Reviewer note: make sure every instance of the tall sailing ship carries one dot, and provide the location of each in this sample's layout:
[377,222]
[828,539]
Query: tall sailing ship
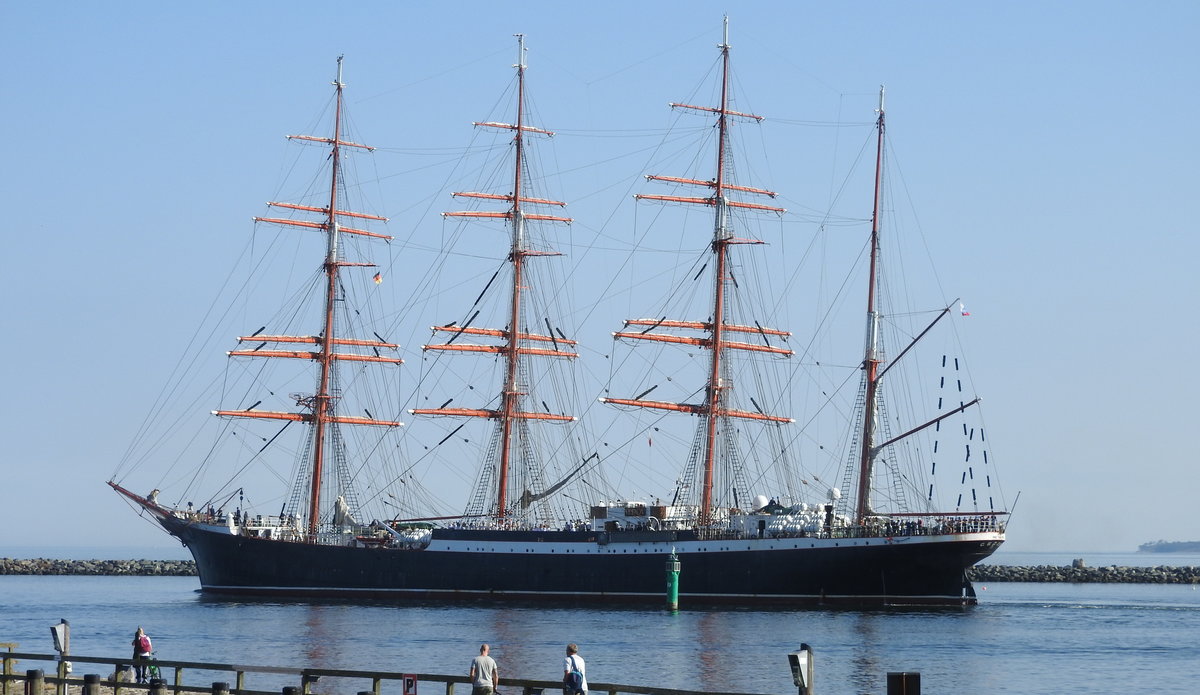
[532,528]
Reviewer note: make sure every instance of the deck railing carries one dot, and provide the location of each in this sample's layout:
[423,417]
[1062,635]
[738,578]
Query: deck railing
[304,681]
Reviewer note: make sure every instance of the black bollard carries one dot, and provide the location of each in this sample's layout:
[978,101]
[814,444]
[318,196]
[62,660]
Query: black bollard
[158,686]
[35,681]
[291,690]
[904,683]
[220,688]
[91,684]
[366,692]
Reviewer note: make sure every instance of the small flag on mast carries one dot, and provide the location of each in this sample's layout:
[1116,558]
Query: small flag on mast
[961,309]
[378,278]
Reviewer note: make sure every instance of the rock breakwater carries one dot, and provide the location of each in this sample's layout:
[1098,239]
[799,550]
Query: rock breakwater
[105,568]
[1112,574]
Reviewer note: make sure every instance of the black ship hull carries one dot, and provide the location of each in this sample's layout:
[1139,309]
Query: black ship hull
[590,565]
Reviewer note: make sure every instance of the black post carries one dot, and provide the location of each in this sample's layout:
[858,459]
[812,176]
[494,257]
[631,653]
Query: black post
[366,692]
[220,688]
[35,681]
[291,690]
[158,686]
[801,662]
[904,683]
[91,684]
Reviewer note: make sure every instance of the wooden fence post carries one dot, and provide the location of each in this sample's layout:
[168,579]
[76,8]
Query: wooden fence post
[120,673]
[9,663]
[35,681]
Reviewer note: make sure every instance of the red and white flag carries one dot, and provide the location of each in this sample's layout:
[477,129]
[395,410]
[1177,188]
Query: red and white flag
[963,310]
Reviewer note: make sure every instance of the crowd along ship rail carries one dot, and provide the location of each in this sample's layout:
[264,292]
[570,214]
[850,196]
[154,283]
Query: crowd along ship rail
[512,541]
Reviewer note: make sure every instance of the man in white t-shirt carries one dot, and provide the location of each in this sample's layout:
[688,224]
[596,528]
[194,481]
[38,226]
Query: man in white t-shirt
[485,676]
[574,662]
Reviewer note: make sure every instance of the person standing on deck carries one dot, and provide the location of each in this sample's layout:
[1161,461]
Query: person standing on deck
[485,675]
[141,650]
[574,662]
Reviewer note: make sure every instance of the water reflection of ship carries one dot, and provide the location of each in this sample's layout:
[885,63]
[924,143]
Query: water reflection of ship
[865,655]
[713,642]
[318,643]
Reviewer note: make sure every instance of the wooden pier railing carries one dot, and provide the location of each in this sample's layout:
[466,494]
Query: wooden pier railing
[304,680]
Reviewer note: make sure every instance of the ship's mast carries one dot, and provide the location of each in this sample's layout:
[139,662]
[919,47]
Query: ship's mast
[322,404]
[871,360]
[714,408]
[322,412]
[515,345]
[872,365]
[511,394]
[720,248]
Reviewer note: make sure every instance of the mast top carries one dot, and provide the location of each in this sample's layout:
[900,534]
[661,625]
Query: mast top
[520,51]
[338,82]
[881,93]
[724,45]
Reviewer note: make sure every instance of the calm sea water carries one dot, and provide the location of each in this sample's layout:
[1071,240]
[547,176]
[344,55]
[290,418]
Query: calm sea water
[1022,638]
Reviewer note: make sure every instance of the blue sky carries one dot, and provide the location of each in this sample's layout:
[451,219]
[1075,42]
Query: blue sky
[1047,147]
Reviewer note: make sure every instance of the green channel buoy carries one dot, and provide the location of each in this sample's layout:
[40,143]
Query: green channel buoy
[673,581]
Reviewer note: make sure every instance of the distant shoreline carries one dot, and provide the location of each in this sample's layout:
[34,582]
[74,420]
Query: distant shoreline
[1111,574]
